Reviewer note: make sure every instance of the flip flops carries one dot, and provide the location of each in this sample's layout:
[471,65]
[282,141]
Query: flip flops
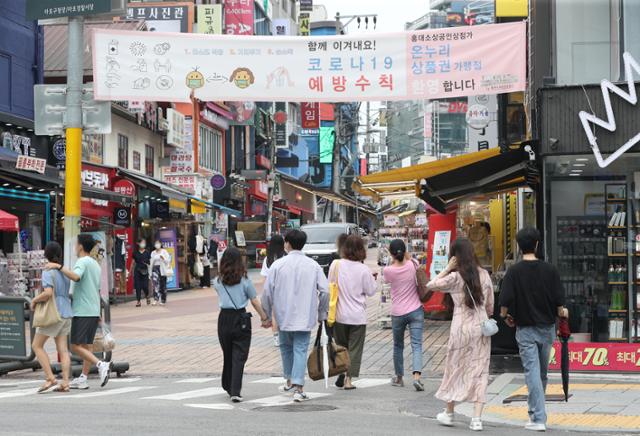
[48,386]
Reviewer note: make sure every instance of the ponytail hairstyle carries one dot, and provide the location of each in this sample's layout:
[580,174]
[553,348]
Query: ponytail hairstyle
[398,249]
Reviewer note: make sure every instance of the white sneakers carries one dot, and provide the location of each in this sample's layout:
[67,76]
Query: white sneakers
[534,426]
[104,368]
[79,383]
[445,418]
[475,424]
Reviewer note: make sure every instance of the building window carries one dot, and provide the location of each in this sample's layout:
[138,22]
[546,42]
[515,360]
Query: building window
[210,149]
[149,157]
[136,160]
[123,151]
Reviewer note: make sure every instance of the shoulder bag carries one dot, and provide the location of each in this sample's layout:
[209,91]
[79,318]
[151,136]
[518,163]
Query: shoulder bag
[334,290]
[489,326]
[46,313]
[338,356]
[245,317]
[421,284]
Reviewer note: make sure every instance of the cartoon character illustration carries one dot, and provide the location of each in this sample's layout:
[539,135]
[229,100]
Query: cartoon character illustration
[281,78]
[242,77]
[195,79]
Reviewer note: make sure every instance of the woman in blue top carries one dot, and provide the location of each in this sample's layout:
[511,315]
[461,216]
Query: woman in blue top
[54,285]
[235,291]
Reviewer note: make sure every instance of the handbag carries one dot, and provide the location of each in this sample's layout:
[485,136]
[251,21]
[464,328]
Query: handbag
[334,290]
[245,317]
[489,326]
[198,267]
[339,360]
[46,313]
[421,284]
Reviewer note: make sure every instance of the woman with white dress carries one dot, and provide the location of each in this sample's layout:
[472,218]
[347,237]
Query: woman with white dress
[160,265]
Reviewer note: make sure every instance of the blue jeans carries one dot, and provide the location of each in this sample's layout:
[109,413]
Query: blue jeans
[415,321]
[293,349]
[535,345]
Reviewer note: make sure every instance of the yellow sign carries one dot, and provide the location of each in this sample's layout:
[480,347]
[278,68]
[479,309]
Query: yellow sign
[512,8]
[198,207]
[210,19]
[177,205]
[305,24]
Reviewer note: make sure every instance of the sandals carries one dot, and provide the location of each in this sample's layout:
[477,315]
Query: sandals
[48,386]
[61,388]
[138,304]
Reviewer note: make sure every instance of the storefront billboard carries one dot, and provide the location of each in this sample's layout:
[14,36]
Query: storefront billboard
[415,65]
[168,240]
[598,356]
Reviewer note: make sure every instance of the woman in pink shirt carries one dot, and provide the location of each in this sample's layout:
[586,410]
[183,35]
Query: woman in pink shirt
[406,311]
[355,284]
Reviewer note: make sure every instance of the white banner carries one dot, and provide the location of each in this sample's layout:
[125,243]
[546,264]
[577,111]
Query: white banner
[425,64]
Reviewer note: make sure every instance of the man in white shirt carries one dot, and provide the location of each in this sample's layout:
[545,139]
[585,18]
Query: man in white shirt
[298,292]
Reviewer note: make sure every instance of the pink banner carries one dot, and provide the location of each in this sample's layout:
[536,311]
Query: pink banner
[598,356]
[238,17]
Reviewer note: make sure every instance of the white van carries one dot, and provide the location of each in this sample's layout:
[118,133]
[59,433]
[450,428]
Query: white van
[321,241]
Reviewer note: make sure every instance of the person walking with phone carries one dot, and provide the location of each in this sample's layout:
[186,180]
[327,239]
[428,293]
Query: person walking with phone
[297,291]
[275,251]
[355,284]
[466,370]
[235,291]
[56,286]
[406,311]
[160,264]
[531,298]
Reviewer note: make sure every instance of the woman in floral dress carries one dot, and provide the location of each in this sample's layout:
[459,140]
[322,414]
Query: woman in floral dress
[466,373]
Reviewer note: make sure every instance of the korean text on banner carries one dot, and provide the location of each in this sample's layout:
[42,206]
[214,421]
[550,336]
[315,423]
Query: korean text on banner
[416,65]
[238,17]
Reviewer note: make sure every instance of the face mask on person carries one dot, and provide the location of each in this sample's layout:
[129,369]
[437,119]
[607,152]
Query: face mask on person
[158,246]
[142,244]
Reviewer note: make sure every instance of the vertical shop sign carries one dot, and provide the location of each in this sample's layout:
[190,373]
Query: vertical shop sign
[210,19]
[310,115]
[281,125]
[167,238]
[305,24]
[238,17]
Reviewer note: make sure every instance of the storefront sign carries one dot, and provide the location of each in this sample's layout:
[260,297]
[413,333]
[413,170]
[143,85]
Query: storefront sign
[280,27]
[306,5]
[162,17]
[210,19]
[482,124]
[28,163]
[414,65]
[19,144]
[181,161]
[238,18]
[218,182]
[122,216]
[391,220]
[12,328]
[125,187]
[259,189]
[598,356]
[43,9]
[95,179]
[310,115]
[305,24]
[167,238]
[187,183]
[478,116]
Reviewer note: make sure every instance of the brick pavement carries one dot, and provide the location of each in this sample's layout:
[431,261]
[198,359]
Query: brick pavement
[181,338]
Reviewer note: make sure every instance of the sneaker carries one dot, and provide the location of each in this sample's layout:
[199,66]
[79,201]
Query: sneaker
[475,424]
[155,303]
[445,418]
[418,385]
[276,340]
[397,382]
[162,304]
[104,368]
[286,389]
[300,396]
[79,383]
[236,399]
[535,426]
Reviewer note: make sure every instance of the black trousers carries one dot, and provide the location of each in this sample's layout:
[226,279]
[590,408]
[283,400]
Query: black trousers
[205,280]
[235,345]
[141,284]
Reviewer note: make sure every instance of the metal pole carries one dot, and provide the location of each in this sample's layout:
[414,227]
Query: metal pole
[272,186]
[73,164]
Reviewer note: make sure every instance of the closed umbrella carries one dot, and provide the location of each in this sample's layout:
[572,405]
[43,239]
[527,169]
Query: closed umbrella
[324,343]
[563,334]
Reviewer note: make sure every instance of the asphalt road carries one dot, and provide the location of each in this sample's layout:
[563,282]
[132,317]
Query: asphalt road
[198,406]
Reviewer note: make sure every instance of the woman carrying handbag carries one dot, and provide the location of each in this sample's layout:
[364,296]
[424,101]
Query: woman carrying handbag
[52,316]
[466,372]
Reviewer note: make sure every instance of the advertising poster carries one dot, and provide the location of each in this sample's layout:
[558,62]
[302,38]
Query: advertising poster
[598,356]
[440,252]
[413,65]
[210,19]
[162,16]
[168,240]
[442,228]
[12,328]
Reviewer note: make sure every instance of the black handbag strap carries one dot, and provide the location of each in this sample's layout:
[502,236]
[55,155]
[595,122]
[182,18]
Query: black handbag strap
[229,295]
[330,350]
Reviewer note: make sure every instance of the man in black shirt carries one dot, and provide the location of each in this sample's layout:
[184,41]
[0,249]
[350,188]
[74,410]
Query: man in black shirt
[141,259]
[530,299]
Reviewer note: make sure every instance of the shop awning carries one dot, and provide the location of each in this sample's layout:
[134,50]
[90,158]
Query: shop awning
[157,185]
[407,213]
[440,183]
[211,205]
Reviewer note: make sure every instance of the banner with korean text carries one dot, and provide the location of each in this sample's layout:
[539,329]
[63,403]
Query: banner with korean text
[598,356]
[426,64]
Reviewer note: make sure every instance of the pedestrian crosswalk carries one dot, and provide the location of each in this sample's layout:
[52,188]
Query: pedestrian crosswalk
[175,391]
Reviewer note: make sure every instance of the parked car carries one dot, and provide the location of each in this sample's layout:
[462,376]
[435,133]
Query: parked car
[321,241]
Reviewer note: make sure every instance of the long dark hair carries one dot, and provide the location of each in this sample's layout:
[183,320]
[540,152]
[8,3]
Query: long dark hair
[467,267]
[397,249]
[275,250]
[232,268]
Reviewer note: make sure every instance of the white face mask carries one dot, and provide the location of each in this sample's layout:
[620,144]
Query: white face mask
[158,246]
[142,245]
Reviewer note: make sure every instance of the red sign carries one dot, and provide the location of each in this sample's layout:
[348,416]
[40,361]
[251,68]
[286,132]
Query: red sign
[280,117]
[238,17]
[598,356]
[259,189]
[125,187]
[310,115]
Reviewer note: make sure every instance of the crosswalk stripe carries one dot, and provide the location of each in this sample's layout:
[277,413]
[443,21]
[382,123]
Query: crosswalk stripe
[125,380]
[198,380]
[105,393]
[18,393]
[271,381]
[214,406]
[281,400]
[198,393]
[370,382]
[17,383]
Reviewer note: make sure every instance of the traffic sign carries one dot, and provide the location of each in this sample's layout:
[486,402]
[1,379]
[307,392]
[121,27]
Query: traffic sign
[42,9]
